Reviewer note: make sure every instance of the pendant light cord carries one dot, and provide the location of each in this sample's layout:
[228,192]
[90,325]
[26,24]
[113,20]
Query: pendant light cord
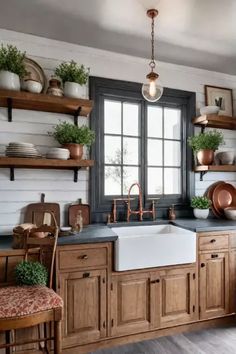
[152,63]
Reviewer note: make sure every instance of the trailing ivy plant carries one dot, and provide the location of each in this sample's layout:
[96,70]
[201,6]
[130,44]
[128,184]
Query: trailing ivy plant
[11,59]
[31,273]
[67,133]
[200,202]
[73,72]
[206,141]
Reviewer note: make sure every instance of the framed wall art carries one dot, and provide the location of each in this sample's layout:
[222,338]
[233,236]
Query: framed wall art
[221,97]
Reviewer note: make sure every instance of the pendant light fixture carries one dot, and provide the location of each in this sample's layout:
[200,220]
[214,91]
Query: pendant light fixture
[152,90]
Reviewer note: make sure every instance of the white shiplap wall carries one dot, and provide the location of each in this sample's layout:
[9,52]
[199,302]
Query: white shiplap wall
[33,126]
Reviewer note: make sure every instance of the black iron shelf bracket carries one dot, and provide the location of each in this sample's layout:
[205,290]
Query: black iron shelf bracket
[202,174]
[12,174]
[76,115]
[76,170]
[9,109]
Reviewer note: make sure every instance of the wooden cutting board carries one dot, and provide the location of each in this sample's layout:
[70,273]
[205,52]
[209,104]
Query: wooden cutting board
[36,213]
[73,212]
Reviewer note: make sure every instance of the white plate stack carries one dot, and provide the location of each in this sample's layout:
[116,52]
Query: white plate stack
[22,150]
[58,154]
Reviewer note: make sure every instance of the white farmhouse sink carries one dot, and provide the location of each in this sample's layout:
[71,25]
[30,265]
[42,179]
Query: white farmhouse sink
[139,247]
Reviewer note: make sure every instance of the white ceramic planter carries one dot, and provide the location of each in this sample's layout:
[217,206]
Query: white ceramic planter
[201,213]
[74,90]
[9,81]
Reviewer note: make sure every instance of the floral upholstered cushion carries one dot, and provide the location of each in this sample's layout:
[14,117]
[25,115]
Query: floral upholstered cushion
[18,301]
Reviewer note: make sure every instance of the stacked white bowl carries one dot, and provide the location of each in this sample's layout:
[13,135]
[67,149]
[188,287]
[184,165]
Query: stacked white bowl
[58,153]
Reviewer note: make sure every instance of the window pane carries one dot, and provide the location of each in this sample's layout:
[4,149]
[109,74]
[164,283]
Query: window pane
[172,123]
[130,119]
[154,152]
[112,117]
[112,180]
[172,153]
[130,176]
[131,151]
[155,180]
[154,121]
[172,181]
[112,150]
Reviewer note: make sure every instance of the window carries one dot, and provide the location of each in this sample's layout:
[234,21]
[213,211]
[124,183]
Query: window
[138,141]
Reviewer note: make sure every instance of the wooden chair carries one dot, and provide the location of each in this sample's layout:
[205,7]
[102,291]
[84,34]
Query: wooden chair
[26,306]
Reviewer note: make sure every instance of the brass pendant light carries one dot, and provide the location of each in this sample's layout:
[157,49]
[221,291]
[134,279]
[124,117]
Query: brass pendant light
[152,90]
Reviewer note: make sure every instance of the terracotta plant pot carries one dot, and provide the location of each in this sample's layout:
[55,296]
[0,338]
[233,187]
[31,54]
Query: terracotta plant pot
[205,157]
[76,150]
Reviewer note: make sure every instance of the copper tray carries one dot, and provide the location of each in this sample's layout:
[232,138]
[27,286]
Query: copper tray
[209,194]
[223,196]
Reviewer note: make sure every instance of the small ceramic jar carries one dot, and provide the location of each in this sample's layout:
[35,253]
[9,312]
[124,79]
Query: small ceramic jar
[33,86]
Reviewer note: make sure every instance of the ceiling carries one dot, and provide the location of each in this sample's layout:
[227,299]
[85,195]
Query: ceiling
[199,33]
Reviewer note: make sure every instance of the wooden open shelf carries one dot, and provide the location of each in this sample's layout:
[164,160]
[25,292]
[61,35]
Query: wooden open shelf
[44,103]
[203,169]
[19,162]
[215,121]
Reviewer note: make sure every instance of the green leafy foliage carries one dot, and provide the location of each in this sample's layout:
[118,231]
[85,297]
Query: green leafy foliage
[206,141]
[31,273]
[200,202]
[11,59]
[67,133]
[73,72]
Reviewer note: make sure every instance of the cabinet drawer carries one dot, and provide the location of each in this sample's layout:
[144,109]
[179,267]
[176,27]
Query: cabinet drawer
[82,258]
[213,242]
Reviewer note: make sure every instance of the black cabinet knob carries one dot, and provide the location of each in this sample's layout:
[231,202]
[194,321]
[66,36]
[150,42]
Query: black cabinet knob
[202,265]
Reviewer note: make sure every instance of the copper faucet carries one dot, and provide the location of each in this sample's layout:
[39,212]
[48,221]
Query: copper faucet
[140,211]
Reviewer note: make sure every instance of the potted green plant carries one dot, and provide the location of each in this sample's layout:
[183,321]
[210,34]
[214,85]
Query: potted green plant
[73,138]
[12,67]
[205,144]
[200,207]
[74,77]
[31,273]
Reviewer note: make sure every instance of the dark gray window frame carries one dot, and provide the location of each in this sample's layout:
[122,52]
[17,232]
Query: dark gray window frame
[101,88]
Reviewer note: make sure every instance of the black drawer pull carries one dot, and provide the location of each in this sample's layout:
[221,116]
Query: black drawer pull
[84,256]
[86,275]
[214,256]
[213,240]
[202,265]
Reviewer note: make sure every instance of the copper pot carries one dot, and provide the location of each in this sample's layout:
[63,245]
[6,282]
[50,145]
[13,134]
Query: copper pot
[76,151]
[205,157]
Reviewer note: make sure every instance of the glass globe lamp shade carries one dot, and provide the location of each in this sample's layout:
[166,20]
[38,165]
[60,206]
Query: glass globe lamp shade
[152,90]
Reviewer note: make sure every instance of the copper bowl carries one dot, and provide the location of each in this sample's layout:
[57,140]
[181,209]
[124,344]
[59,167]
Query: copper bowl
[76,150]
[205,157]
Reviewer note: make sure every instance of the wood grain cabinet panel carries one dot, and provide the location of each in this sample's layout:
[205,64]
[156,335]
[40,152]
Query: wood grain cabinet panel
[232,273]
[213,242]
[178,297]
[131,303]
[214,284]
[84,295]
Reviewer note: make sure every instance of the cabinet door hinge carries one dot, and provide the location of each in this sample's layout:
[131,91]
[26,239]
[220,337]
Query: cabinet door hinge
[111,286]
[112,322]
[199,308]
[194,276]
[104,324]
[103,280]
[193,308]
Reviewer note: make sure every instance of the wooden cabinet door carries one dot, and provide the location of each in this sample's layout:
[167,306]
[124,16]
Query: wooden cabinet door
[178,289]
[84,295]
[214,284]
[232,281]
[131,303]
